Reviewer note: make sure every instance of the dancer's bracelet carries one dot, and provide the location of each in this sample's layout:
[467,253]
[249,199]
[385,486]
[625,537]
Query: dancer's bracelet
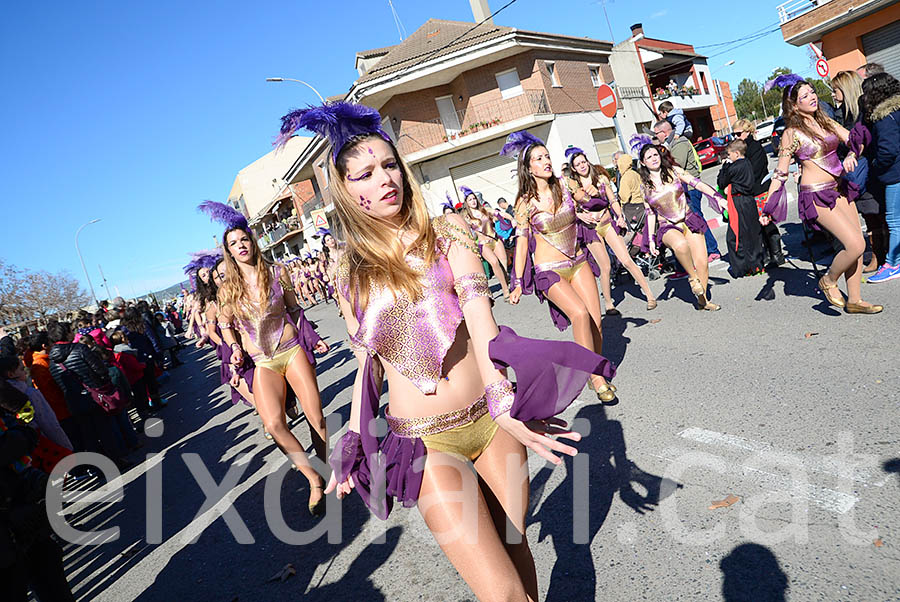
[499,396]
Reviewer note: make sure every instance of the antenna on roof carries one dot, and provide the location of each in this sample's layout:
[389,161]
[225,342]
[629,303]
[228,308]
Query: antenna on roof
[603,4]
[400,29]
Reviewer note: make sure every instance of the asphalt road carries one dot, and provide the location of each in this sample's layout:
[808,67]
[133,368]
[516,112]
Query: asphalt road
[777,399]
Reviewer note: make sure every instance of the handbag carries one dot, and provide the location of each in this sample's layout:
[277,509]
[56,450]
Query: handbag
[106,396]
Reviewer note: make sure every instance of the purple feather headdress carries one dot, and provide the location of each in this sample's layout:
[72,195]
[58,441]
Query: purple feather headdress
[322,233]
[466,191]
[203,259]
[637,142]
[227,215]
[337,121]
[448,204]
[783,81]
[572,151]
[518,142]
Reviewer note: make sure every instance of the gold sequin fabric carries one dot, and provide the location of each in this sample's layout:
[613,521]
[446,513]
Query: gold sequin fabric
[668,201]
[558,229]
[413,335]
[412,428]
[265,330]
[471,286]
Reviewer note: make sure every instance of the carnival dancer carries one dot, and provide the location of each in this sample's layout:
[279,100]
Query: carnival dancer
[824,197]
[599,215]
[489,244]
[670,220]
[417,305]
[257,301]
[549,259]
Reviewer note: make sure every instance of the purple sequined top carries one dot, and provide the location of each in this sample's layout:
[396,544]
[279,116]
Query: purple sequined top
[589,203]
[265,330]
[413,336]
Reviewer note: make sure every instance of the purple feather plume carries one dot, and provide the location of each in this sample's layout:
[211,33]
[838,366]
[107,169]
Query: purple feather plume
[518,142]
[337,121]
[466,191]
[227,215]
[572,151]
[203,259]
[637,142]
[783,81]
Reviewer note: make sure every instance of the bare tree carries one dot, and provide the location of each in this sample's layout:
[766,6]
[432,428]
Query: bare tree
[27,295]
[11,280]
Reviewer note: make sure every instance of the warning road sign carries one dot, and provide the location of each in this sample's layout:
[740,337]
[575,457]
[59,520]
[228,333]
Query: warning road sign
[319,219]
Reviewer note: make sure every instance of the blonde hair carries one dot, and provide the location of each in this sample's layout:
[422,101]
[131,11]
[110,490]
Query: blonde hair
[234,289]
[744,125]
[850,85]
[375,255]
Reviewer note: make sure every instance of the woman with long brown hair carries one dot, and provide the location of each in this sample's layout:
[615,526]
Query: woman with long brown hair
[824,199]
[549,258]
[670,220]
[599,215]
[489,244]
[417,307]
[257,300]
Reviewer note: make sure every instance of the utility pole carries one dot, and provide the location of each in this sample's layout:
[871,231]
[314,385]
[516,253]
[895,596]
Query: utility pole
[765,113]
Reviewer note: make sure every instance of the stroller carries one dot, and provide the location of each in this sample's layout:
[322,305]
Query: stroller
[651,266]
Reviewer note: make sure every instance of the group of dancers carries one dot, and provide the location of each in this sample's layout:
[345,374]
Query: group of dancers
[418,310]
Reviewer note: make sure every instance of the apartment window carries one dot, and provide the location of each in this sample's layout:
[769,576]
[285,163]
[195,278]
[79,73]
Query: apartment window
[388,128]
[703,81]
[323,167]
[551,69]
[606,143]
[509,84]
[595,75]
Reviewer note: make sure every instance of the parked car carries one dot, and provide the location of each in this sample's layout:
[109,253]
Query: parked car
[710,150]
[777,130]
[764,130]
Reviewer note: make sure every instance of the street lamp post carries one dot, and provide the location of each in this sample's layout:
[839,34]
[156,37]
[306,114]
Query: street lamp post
[299,81]
[765,112]
[78,250]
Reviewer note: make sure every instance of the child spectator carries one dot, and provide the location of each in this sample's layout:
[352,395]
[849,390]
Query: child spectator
[744,236]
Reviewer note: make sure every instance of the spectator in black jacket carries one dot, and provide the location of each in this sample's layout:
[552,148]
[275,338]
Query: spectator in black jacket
[759,162]
[74,367]
[882,94]
[745,254]
[29,557]
[847,91]
[132,326]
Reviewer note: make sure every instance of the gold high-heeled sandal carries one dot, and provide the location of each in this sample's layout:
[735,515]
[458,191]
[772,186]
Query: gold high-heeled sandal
[651,304]
[317,509]
[696,287]
[837,301]
[605,392]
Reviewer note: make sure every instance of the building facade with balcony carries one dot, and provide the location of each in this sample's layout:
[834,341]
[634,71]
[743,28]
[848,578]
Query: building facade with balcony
[451,93]
[849,33]
[650,71]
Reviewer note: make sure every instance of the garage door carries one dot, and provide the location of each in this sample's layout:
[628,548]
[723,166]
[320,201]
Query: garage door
[494,177]
[883,46]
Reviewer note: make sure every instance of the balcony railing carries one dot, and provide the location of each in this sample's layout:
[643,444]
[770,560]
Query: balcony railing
[795,8]
[280,231]
[632,92]
[417,136]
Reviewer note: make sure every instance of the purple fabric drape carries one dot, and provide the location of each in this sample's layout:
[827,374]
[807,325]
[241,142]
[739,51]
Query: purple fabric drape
[776,205]
[860,137]
[382,470]
[549,376]
[540,283]
[307,335]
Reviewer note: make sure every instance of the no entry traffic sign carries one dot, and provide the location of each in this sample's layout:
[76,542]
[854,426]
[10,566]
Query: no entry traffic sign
[822,67]
[606,98]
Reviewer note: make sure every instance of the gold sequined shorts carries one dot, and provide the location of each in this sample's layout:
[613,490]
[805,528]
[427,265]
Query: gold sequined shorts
[567,268]
[280,361]
[465,432]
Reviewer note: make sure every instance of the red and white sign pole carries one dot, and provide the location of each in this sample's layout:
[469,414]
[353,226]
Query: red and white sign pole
[606,99]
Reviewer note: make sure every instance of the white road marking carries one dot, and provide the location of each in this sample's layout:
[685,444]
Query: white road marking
[828,465]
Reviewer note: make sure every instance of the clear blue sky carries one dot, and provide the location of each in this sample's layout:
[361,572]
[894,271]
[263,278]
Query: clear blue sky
[135,112]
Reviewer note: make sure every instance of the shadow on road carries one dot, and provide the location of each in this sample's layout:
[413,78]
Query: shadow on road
[893,465]
[751,573]
[574,576]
